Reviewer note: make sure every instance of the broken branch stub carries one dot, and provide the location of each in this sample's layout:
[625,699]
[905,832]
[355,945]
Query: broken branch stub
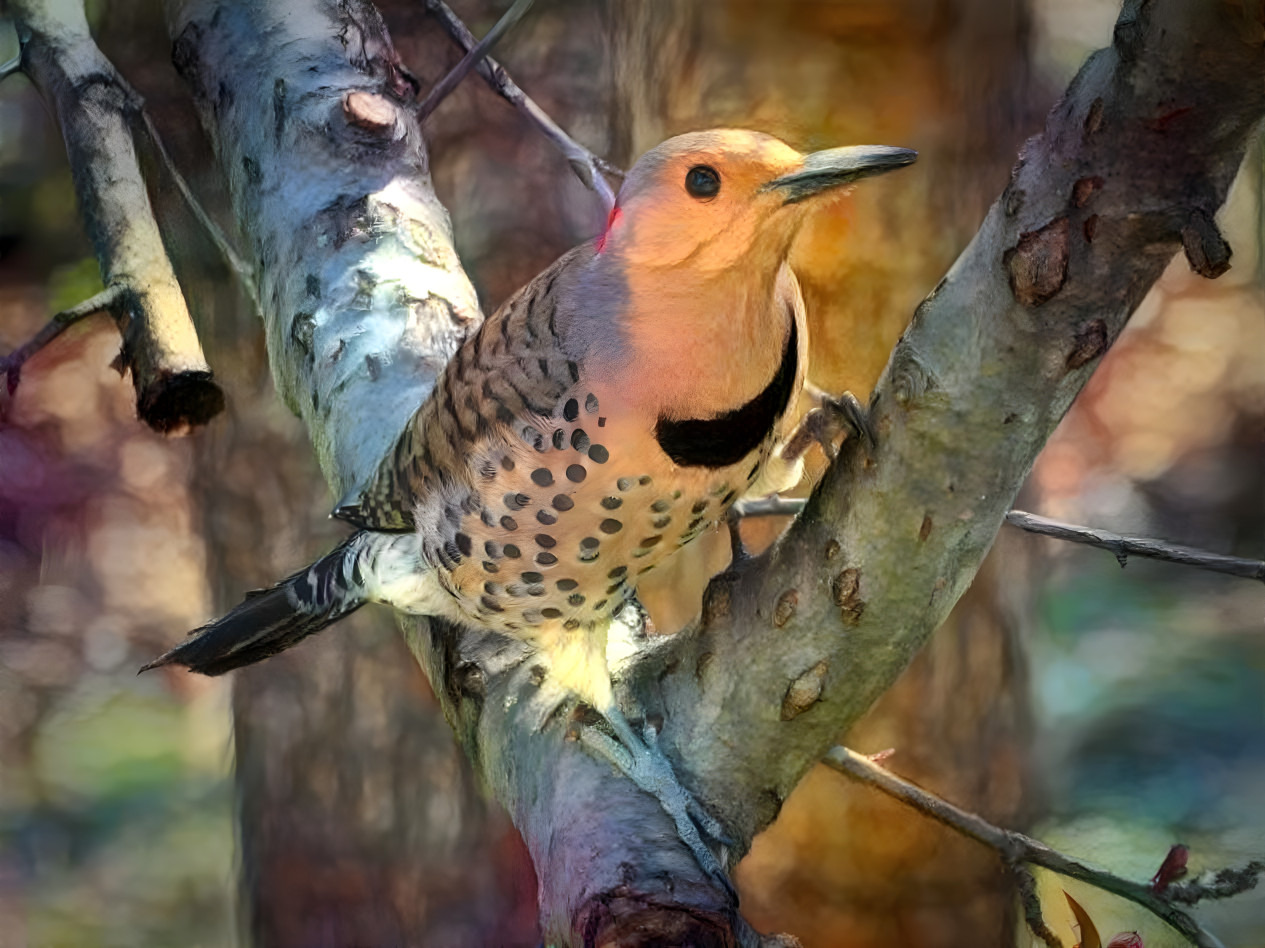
[93,105]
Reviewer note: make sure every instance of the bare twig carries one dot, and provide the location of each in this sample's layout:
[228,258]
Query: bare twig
[174,388]
[1015,848]
[9,68]
[107,301]
[235,263]
[1027,885]
[1123,547]
[472,58]
[588,167]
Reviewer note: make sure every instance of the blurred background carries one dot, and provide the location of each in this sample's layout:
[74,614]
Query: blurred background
[318,799]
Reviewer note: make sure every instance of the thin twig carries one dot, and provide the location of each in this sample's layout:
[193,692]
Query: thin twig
[471,59]
[105,301]
[1015,848]
[235,263]
[1027,885]
[588,167]
[1123,547]
[9,68]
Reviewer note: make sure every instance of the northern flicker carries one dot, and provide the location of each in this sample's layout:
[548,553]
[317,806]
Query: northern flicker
[605,416]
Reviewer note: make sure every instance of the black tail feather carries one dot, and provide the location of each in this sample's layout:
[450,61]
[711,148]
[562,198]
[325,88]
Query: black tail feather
[272,620]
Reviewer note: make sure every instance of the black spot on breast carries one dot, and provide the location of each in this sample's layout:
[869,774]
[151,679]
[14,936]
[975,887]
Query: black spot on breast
[488,518]
[489,603]
[598,454]
[571,625]
[601,422]
[643,480]
[545,540]
[512,551]
[509,523]
[493,589]
[590,403]
[507,463]
[542,476]
[590,543]
[660,522]
[610,525]
[551,613]
[490,567]
[600,605]
[612,503]
[563,502]
[491,549]
[576,473]
[571,410]
[566,585]
[545,517]
[487,471]
[530,577]
[699,506]
[728,498]
[587,556]
[535,590]
[464,544]
[546,559]
[579,440]
[728,438]
[516,501]
[617,572]
[660,506]
[650,541]
[613,587]
[559,438]
[451,554]
[624,483]
[575,599]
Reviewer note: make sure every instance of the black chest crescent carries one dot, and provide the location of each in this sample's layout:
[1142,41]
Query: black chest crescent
[728,438]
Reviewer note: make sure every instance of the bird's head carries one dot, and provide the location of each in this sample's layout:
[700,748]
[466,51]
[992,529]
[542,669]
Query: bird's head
[715,200]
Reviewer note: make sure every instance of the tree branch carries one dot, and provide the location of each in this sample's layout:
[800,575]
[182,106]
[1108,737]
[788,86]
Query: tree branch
[174,388]
[472,58]
[1016,848]
[1123,547]
[587,166]
[364,299]
[990,363]
[107,301]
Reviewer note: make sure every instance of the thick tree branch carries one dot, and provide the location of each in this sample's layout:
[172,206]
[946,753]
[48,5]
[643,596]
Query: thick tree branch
[311,116]
[174,388]
[1149,134]
[1016,848]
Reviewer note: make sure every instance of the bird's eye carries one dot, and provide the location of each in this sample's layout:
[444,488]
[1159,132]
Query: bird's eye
[702,181]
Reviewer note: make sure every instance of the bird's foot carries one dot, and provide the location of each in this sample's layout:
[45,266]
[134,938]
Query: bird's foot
[834,416]
[639,758]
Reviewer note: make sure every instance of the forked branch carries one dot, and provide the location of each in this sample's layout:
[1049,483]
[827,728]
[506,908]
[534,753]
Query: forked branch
[1016,849]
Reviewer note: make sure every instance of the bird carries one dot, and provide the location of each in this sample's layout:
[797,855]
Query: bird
[604,417]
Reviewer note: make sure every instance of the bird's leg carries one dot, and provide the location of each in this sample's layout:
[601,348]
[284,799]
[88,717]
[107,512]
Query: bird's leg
[638,757]
[833,416]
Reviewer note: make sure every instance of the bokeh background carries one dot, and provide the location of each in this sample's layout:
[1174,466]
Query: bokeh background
[1111,712]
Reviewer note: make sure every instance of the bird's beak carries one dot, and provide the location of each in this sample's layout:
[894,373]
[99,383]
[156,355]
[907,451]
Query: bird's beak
[823,170]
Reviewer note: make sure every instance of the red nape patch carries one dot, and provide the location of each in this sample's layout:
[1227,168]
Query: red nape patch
[615,215]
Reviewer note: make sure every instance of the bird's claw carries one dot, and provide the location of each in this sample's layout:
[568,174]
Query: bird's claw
[639,758]
[834,416]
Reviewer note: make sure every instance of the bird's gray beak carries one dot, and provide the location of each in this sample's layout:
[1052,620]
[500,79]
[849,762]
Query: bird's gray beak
[834,167]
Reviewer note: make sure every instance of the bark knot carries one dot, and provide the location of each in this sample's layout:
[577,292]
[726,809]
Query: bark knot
[1038,262]
[804,691]
[787,603]
[1206,250]
[846,593]
[1090,342]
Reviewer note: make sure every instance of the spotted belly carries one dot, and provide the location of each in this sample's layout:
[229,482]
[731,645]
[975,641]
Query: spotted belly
[567,512]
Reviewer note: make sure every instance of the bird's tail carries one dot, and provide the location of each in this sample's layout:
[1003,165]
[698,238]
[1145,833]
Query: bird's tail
[271,620]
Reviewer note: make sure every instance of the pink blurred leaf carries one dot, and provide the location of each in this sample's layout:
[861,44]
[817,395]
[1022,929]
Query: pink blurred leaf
[1126,940]
[1171,869]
